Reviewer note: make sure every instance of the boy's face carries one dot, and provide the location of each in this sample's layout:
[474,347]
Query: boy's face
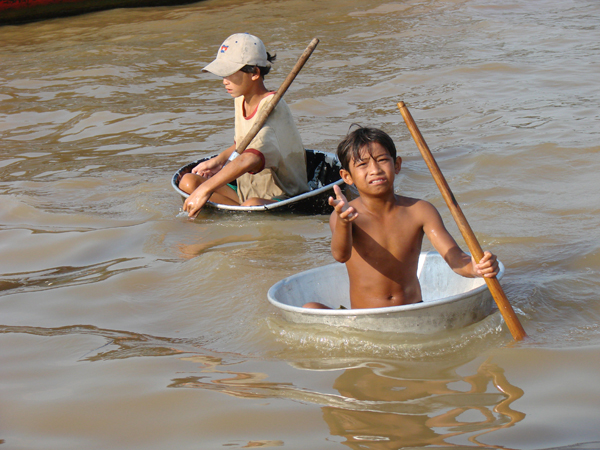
[239,83]
[374,171]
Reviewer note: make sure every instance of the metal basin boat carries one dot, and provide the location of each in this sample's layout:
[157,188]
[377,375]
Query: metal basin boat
[450,301]
[323,171]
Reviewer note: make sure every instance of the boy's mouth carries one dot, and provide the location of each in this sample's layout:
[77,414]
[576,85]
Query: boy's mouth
[378,181]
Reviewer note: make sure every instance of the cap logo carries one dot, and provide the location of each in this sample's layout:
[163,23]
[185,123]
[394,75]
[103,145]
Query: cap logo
[224,48]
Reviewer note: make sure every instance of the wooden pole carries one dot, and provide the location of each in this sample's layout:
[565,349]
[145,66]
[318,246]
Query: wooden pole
[264,114]
[504,306]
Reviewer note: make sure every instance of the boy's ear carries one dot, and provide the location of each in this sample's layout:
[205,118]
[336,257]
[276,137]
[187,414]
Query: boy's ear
[346,176]
[398,165]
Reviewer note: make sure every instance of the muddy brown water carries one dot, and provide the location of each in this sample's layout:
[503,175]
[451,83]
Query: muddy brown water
[126,327]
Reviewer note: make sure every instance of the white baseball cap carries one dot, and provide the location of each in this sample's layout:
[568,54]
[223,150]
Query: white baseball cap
[238,50]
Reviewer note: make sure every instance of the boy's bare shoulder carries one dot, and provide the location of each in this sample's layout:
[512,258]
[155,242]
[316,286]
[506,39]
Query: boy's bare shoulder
[402,200]
[417,207]
[409,202]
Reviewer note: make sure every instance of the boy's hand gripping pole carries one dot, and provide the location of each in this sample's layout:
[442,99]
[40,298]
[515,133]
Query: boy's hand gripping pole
[504,306]
[264,114]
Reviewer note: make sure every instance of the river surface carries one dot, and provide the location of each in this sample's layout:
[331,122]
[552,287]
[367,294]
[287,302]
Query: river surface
[124,326]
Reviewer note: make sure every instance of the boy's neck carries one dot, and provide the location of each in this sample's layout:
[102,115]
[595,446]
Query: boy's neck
[377,205]
[253,97]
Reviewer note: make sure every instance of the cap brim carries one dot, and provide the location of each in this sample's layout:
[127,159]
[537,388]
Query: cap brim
[223,68]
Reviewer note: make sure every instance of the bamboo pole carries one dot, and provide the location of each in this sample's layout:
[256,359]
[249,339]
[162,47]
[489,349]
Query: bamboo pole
[504,306]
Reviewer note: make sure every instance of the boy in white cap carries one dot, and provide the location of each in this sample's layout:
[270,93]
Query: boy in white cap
[273,166]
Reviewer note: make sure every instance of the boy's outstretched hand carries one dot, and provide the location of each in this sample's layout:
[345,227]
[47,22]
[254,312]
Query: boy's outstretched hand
[345,212]
[487,267]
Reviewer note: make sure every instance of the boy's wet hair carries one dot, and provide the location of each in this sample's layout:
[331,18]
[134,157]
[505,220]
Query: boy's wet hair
[263,70]
[362,137]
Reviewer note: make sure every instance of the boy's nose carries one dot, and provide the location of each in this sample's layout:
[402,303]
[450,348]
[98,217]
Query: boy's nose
[375,168]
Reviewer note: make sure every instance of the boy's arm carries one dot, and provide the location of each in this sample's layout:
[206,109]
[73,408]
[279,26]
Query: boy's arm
[340,222]
[246,162]
[211,166]
[444,243]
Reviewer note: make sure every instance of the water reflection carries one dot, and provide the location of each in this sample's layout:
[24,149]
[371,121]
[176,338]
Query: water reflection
[420,412]
[383,405]
[371,404]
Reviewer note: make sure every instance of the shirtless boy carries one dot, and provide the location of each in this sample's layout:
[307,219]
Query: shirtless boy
[379,234]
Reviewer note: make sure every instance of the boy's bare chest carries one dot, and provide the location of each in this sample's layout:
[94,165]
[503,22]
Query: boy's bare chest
[395,236]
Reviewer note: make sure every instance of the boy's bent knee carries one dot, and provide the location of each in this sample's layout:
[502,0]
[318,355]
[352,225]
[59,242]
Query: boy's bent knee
[189,182]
